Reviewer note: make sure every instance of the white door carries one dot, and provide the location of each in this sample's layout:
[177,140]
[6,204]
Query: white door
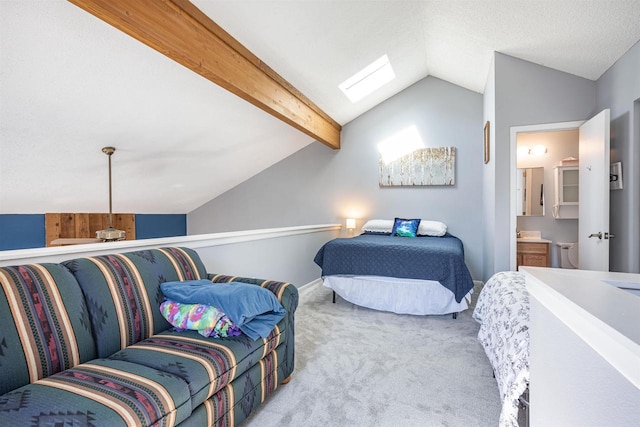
[593,224]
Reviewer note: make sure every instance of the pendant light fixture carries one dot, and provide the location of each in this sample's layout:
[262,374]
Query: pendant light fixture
[110,234]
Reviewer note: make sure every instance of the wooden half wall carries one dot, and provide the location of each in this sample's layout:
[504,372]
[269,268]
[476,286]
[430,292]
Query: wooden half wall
[85,225]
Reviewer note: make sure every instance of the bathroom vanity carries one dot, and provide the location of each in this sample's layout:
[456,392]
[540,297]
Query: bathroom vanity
[533,252]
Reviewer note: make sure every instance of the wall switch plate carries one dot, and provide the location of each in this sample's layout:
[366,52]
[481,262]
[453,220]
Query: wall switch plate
[615,176]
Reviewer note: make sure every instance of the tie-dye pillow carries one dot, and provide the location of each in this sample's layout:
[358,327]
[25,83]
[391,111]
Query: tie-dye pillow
[209,321]
[405,227]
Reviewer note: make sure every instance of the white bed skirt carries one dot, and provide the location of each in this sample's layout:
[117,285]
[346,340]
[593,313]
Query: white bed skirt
[402,296]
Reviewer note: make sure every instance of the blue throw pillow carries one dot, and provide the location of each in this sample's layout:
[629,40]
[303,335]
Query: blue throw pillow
[405,227]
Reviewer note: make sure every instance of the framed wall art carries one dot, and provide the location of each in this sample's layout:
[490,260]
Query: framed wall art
[427,166]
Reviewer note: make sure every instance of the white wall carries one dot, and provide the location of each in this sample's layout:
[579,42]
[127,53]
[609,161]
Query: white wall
[619,90]
[571,383]
[317,185]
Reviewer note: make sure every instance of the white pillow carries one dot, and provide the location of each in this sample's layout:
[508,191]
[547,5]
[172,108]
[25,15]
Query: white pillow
[426,228]
[378,226]
[431,228]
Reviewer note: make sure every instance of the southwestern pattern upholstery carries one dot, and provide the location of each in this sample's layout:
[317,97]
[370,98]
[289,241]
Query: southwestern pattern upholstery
[288,296]
[83,343]
[44,324]
[123,292]
[113,393]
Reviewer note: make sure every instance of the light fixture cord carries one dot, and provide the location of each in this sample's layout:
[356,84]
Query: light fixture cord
[110,214]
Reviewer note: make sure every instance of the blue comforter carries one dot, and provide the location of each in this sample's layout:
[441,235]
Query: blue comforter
[427,258]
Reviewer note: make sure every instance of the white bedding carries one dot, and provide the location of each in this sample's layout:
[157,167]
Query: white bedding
[402,296]
[503,313]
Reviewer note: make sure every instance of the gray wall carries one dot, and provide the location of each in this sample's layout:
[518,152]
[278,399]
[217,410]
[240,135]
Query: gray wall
[489,177]
[619,90]
[285,259]
[317,185]
[525,94]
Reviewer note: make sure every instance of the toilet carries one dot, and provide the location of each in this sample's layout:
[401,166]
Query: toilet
[568,254]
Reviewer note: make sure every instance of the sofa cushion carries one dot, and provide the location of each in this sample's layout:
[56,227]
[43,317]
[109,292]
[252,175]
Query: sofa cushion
[205,364]
[44,324]
[100,392]
[123,292]
[235,402]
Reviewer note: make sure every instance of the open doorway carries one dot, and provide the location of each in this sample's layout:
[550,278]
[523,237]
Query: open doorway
[547,191]
[556,139]
[593,189]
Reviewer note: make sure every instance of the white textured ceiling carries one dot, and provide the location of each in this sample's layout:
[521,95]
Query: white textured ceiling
[317,44]
[71,84]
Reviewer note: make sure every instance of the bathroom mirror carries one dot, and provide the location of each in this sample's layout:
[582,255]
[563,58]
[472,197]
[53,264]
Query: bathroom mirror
[530,192]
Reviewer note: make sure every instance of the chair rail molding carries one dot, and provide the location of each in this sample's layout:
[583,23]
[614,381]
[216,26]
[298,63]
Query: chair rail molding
[62,253]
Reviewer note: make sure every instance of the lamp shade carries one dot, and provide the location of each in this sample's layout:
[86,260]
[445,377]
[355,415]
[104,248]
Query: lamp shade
[351,223]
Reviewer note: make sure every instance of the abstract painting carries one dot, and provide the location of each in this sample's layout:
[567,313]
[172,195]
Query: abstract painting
[427,166]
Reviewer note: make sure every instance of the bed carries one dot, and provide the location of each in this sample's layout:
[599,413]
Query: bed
[421,275]
[502,310]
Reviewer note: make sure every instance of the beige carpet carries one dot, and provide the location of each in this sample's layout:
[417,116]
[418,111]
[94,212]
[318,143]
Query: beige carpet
[361,367]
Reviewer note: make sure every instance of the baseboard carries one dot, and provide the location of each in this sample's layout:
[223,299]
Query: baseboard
[308,286]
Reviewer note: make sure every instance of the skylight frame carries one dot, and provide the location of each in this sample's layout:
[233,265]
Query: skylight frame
[368,80]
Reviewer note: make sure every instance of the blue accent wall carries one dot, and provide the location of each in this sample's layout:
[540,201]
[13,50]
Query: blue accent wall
[149,226]
[21,231]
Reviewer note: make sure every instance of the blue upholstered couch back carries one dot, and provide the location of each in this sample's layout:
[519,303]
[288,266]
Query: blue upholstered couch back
[123,294]
[44,324]
[56,316]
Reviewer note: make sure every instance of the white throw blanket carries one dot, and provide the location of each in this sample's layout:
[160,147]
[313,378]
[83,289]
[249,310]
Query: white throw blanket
[503,312]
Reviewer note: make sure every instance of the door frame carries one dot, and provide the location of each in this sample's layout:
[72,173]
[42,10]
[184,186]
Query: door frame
[514,131]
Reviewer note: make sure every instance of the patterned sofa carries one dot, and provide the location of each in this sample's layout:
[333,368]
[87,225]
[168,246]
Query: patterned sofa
[83,343]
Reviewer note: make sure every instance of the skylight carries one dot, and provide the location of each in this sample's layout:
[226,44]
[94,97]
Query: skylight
[369,79]
[399,144]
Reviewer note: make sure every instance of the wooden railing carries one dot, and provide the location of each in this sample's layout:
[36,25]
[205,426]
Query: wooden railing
[85,225]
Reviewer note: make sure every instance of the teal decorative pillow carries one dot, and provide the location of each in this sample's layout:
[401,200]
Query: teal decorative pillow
[405,227]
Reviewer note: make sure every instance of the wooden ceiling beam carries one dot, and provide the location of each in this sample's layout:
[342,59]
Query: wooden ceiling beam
[180,31]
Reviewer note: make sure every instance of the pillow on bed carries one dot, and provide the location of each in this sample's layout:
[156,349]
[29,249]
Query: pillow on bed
[405,227]
[385,226]
[381,226]
[432,228]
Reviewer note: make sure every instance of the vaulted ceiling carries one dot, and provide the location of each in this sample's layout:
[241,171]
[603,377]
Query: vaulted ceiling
[71,84]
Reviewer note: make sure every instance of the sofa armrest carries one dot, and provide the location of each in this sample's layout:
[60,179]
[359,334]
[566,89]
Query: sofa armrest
[286,293]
